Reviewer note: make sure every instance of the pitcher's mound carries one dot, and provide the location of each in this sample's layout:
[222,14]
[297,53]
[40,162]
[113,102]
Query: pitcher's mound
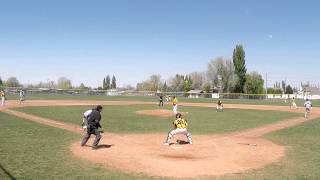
[157,112]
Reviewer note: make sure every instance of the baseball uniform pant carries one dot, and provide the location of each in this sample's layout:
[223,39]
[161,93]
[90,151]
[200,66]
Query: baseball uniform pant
[183,131]
[87,137]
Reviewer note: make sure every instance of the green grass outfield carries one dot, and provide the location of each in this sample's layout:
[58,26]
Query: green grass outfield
[300,103]
[32,151]
[302,160]
[202,120]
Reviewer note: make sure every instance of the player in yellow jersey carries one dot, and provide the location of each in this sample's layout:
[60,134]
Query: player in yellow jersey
[175,105]
[180,127]
[293,104]
[3,97]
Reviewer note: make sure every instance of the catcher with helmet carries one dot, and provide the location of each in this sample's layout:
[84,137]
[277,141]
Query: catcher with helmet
[180,127]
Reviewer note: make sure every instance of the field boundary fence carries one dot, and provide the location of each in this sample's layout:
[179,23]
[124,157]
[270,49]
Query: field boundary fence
[119,92]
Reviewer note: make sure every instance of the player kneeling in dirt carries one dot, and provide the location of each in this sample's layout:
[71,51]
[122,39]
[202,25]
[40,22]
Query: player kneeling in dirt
[180,125]
[308,107]
[93,127]
[219,106]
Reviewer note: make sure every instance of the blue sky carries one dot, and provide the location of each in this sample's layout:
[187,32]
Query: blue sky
[42,40]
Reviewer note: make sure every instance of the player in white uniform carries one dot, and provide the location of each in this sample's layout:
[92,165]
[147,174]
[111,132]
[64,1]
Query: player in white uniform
[175,105]
[22,96]
[219,106]
[308,107]
[85,119]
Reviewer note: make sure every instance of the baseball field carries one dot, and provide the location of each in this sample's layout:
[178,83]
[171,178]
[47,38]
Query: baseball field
[40,139]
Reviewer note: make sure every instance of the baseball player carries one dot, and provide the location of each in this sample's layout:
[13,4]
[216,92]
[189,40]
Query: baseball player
[85,119]
[94,127]
[3,98]
[219,106]
[161,100]
[293,104]
[21,96]
[308,107]
[175,105]
[180,127]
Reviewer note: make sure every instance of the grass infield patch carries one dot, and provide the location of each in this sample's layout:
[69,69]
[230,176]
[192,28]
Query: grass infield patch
[274,102]
[202,120]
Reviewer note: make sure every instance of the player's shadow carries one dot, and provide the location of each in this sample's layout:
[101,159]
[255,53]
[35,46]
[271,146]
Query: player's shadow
[182,142]
[105,146]
[102,146]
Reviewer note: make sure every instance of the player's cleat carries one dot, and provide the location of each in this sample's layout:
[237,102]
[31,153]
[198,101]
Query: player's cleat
[166,144]
[190,143]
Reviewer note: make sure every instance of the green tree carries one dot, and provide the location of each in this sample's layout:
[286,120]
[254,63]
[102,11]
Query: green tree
[239,63]
[283,86]
[12,82]
[206,87]
[289,90]
[82,86]
[187,83]
[104,84]
[274,91]
[64,83]
[114,82]
[108,84]
[254,83]
[1,83]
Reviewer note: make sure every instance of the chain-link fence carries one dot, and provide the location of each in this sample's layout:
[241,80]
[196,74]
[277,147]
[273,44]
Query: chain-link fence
[191,94]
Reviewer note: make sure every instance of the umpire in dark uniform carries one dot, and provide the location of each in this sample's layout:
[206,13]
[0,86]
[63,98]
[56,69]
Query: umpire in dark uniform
[93,127]
[161,100]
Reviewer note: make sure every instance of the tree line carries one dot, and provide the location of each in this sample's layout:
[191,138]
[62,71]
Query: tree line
[109,84]
[61,83]
[222,75]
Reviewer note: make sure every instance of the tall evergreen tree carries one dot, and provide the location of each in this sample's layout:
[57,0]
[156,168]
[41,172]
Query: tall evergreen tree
[1,83]
[240,68]
[104,83]
[114,82]
[108,85]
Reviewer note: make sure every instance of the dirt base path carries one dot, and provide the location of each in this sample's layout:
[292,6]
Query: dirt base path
[209,155]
